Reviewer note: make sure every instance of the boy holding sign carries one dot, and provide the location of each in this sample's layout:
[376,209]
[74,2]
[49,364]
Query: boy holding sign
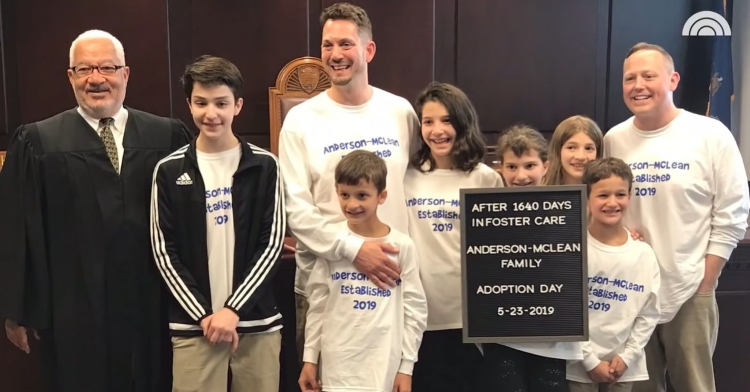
[623,286]
[367,337]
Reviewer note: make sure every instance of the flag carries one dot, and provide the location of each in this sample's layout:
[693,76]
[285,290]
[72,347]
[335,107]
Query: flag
[721,84]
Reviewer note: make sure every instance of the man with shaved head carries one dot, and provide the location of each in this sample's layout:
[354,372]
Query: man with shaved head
[690,202]
[76,269]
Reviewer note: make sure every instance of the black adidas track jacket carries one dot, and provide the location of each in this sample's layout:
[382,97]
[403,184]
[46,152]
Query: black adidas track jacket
[178,238]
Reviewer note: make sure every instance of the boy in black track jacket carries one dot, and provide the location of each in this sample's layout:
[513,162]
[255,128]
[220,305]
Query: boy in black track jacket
[217,230]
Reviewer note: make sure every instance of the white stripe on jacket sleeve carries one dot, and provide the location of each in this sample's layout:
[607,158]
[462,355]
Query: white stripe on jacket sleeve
[271,254]
[164,262]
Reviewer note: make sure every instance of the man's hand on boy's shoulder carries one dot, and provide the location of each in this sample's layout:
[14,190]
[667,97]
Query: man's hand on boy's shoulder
[636,235]
[373,261]
[402,383]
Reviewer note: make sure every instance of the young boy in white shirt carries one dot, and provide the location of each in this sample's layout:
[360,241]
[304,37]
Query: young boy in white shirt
[623,287]
[366,337]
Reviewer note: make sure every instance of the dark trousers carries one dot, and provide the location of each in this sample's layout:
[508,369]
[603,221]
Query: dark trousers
[510,370]
[446,363]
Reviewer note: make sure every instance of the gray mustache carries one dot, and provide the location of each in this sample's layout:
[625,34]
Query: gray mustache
[97,89]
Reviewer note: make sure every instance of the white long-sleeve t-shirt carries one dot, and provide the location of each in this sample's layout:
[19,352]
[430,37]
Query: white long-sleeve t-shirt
[432,201]
[623,307]
[363,334]
[217,171]
[690,197]
[315,135]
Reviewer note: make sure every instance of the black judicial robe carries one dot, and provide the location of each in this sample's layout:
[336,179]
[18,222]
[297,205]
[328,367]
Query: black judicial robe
[75,257]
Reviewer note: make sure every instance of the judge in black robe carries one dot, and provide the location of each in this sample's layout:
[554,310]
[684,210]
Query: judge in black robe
[75,259]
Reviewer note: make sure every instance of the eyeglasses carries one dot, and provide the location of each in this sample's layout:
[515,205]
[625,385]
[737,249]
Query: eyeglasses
[86,70]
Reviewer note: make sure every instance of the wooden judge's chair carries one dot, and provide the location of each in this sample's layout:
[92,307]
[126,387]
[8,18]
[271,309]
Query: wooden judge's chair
[299,80]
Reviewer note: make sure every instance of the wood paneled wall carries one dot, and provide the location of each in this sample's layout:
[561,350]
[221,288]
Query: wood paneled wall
[534,61]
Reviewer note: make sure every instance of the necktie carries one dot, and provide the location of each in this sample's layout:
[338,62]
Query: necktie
[109,141]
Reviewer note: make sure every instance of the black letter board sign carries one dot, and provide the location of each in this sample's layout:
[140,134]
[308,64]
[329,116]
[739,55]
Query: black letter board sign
[524,264]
